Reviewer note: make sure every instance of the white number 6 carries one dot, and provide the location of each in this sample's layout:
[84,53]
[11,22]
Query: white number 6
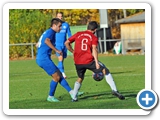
[84,45]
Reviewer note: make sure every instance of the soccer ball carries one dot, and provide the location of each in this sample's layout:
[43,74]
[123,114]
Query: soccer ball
[98,76]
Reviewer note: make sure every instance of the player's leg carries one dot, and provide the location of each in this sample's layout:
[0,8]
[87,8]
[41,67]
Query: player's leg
[53,71]
[61,66]
[77,85]
[63,82]
[50,69]
[110,81]
[57,77]
[60,60]
[108,77]
[64,50]
[53,86]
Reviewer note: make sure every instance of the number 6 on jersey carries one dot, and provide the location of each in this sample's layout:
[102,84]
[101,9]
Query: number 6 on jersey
[83,44]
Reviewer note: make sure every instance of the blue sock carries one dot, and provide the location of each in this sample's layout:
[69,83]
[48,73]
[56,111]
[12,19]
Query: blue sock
[60,66]
[65,84]
[53,86]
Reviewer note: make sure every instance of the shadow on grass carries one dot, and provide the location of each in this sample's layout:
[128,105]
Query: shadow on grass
[122,72]
[98,99]
[86,76]
[108,95]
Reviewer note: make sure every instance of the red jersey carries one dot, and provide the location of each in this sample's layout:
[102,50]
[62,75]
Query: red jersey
[83,46]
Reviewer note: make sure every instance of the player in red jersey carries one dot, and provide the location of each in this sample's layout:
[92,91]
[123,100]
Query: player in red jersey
[86,57]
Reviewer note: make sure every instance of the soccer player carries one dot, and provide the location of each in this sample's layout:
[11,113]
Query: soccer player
[61,37]
[45,46]
[86,57]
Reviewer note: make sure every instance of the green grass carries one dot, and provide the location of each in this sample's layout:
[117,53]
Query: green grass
[29,85]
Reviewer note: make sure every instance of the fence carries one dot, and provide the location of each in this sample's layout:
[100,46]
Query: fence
[74,29]
[103,44]
[126,45]
[22,44]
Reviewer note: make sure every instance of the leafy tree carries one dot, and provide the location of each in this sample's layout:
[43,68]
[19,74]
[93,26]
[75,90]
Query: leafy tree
[26,25]
[79,16]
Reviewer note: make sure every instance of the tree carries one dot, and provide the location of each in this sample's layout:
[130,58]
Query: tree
[26,25]
[79,16]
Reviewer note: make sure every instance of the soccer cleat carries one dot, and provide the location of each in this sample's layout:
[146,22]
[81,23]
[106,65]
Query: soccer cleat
[52,99]
[74,100]
[117,94]
[72,96]
[80,93]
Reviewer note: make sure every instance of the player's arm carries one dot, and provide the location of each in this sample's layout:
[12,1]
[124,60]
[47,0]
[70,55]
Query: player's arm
[69,31]
[69,41]
[95,55]
[48,42]
[68,46]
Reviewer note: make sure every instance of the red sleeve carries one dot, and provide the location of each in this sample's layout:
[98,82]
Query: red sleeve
[72,38]
[95,41]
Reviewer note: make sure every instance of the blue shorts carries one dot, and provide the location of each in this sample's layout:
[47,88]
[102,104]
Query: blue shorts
[48,66]
[63,49]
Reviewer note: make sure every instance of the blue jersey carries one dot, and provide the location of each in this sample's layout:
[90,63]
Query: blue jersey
[44,51]
[61,37]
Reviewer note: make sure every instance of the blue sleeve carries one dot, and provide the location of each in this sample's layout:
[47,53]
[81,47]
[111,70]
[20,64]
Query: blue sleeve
[69,31]
[49,35]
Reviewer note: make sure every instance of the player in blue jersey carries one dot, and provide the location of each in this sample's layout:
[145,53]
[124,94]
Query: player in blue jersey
[61,37]
[45,46]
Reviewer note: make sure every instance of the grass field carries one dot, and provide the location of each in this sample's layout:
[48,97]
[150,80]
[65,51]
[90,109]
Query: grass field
[29,85]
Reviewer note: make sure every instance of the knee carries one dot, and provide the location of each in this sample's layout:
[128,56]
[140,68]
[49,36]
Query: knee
[60,58]
[56,77]
[80,80]
[106,71]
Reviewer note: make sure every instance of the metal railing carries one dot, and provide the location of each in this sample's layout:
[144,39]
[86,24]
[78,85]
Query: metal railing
[100,45]
[105,41]
[20,44]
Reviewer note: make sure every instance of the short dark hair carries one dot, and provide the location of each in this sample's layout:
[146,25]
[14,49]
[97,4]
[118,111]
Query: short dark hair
[60,13]
[92,25]
[55,21]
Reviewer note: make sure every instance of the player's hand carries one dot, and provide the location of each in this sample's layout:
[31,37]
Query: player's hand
[37,44]
[97,66]
[60,52]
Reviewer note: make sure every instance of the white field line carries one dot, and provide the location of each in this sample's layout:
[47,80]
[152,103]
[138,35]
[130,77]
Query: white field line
[70,77]
[67,71]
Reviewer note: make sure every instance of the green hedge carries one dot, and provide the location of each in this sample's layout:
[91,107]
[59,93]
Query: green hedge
[26,26]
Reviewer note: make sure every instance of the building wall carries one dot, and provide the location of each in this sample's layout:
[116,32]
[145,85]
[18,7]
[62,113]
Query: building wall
[133,32]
